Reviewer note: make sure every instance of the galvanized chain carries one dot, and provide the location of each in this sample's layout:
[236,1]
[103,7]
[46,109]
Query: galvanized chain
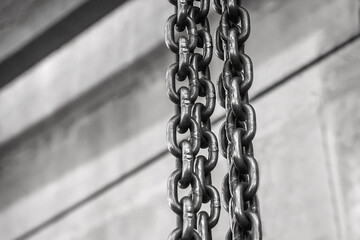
[237,132]
[190,26]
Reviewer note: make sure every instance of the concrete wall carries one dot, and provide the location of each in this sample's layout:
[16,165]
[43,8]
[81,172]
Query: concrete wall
[82,135]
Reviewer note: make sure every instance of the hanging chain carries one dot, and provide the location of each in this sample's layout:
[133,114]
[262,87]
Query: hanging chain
[190,26]
[237,132]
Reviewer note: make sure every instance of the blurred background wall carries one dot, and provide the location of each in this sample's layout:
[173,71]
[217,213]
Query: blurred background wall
[83,112]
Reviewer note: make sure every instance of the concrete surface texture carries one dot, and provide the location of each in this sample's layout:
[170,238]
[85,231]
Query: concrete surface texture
[82,136]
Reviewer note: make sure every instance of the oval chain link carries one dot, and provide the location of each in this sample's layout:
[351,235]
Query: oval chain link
[237,132]
[186,30]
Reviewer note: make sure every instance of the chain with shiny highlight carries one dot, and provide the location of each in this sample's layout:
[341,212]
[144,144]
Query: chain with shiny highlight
[237,132]
[193,170]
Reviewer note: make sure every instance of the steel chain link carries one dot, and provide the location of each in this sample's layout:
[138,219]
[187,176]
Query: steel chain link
[237,132]
[185,30]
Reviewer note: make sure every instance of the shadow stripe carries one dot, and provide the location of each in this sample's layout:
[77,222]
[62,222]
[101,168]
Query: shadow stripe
[54,37]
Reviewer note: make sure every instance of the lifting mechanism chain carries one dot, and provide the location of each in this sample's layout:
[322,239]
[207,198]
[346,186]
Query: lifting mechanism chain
[193,170]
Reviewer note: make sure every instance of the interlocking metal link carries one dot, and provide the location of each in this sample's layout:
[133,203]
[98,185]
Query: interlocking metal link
[237,132]
[185,30]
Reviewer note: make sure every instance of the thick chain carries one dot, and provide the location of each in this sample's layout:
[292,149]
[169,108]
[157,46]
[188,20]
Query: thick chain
[237,132]
[190,23]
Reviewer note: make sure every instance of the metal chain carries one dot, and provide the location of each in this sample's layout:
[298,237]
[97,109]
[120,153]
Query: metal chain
[190,26]
[237,132]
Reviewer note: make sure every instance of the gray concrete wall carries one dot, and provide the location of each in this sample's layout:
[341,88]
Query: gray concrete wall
[73,124]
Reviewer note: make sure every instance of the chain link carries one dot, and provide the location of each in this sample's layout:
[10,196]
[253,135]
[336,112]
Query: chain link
[240,184]
[186,30]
